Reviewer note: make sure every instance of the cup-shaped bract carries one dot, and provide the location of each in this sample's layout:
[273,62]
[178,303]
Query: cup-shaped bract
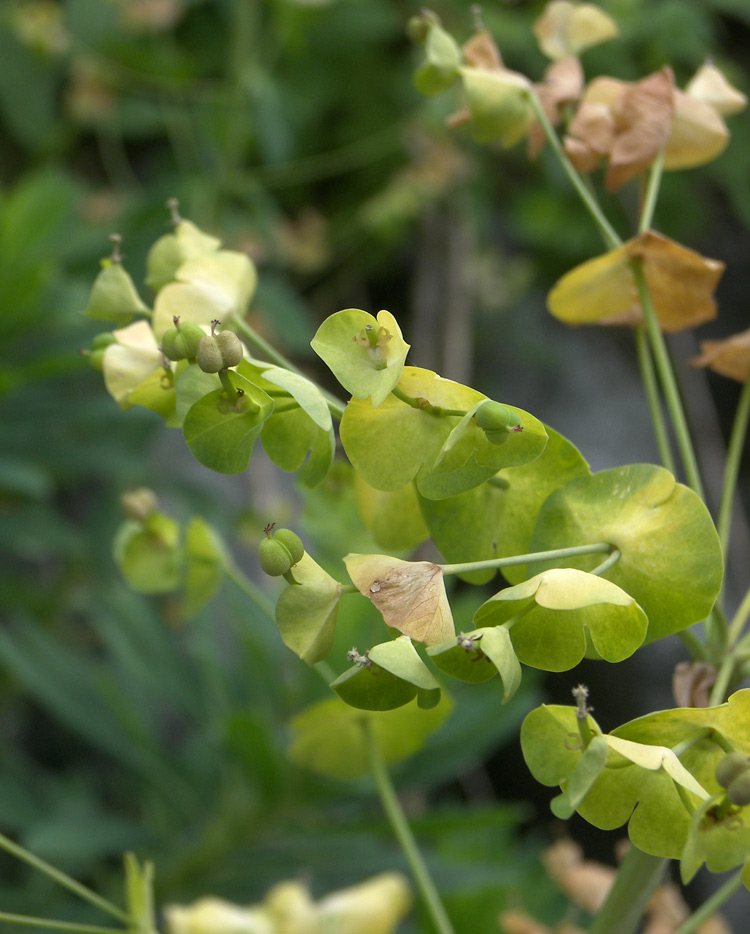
[442,60]
[479,655]
[114,296]
[567,28]
[306,611]
[561,614]
[499,105]
[365,354]
[170,251]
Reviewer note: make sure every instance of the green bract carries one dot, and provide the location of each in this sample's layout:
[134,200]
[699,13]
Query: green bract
[499,105]
[170,252]
[114,297]
[148,554]
[670,562]
[306,611]
[635,786]
[221,432]
[329,737]
[288,436]
[206,561]
[562,614]
[479,655]
[395,442]
[496,518]
[394,518]
[390,675]
[440,69]
[365,354]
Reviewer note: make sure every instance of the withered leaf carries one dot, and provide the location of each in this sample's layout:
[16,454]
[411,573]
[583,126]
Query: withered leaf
[730,357]
[698,134]
[709,85]
[410,595]
[692,683]
[567,28]
[482,52]
[562,84]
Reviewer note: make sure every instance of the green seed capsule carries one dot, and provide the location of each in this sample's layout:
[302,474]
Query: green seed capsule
[275,558]
[292,542]
[209,355]
[496,421]
[738,791]
[230,347]
[730,767]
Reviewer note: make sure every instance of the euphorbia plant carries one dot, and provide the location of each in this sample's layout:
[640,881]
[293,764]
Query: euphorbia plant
[594,565]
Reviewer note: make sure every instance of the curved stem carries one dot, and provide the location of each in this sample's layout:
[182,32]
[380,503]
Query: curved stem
[724,676]
[652,192]
[694,645]
[668,382]
[637,877]
[607,563]
[28,921]
[592,205]
[403,833]
[731,469]
[251,590]
[553,555]
[739,619]
[710,906]
[648,378]
[72,885]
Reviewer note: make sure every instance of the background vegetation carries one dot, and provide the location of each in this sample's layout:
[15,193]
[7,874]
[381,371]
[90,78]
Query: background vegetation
[291,129]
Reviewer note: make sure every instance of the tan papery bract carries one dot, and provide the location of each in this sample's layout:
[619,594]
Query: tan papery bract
[709,85]
[730,357]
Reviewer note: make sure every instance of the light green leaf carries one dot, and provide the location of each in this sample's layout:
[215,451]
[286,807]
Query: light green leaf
[148,554]
[306,611]
[220,432]
[206,561]
[583,777]
[394,519]
[496,519]
[328,738]
[440,69]
[170,252]
[191,385]
[561,614]
[670,562]
[365,354]
[478,656]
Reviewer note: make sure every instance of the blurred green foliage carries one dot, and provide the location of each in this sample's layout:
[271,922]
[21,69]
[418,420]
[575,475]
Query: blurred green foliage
[292,129]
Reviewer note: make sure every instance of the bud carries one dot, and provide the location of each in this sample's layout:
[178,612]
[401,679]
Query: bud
[738,791]
[279,551]
[440,69]
[114,296]
[219,351]
[181,342]
[496,421]
[730,767]
[499,105]
[98,345]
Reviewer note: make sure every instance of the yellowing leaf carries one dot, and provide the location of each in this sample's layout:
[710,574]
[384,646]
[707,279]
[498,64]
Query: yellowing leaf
[567,28]
[730,357]
[409,594]
[698,134]
[654,758]
[681,283]
[710,86]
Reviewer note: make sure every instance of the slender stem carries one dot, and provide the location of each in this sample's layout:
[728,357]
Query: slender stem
[607,563]
[731,469]
[652,192]
[28,921]
[248,333]
[63,879]
[636,879]
[648,377]
[403,833]
[424,405]
[724,676]
[251,590]
[710,906]
[592,205]
[348,588]
[695,646]
[668,382]
[555,554]
[739,619]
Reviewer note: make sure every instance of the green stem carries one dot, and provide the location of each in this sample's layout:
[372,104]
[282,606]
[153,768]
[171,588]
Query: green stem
[249,334]
[607,563]
[694,645]
[251,590]
[14,849]
[590,202]
[731,469]
[739,619]
[636,879]
[424,406]
[648,378]
[27,921]
[403,833]
[553,555]
[724,676]
[711,905]
[668,382]
[652,192]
